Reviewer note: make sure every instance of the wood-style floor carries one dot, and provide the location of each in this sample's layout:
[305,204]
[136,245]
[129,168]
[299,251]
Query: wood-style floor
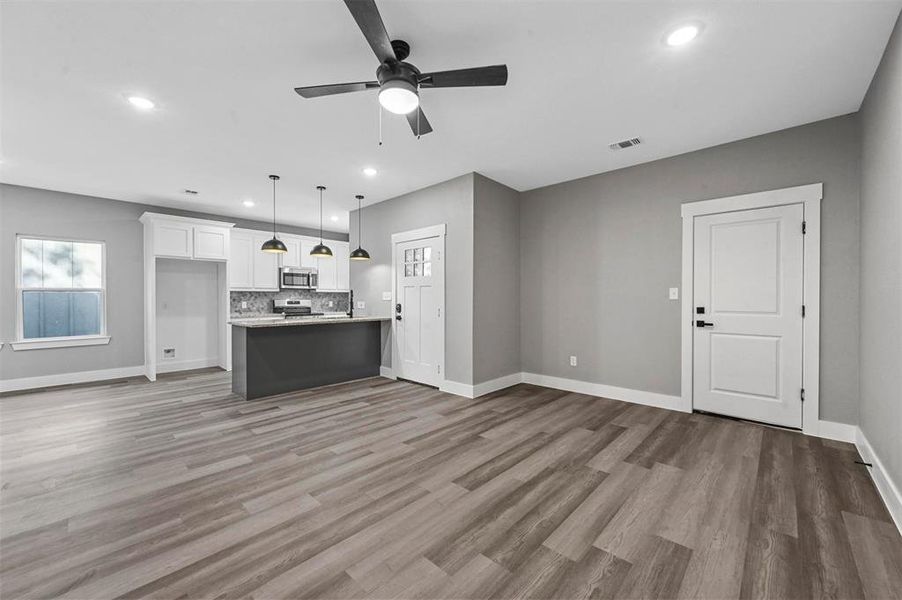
[382,489]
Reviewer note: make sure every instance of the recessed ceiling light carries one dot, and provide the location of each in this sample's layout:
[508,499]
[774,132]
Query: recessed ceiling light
[142,103]
[682,35]
[370,171]
[334,218]
[248,203]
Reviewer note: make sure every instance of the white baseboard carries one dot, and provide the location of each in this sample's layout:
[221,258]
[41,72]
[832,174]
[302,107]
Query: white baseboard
[481,389]
[170,366]
[608,391]
[387,372]
[42,381]
[456,388]
[887,488]
[831,430]
[487,387]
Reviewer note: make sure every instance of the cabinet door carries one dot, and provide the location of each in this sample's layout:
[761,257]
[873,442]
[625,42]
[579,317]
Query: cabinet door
[211,242]
[266,266]
[292,258]
[173,239]
[241,262]
[327,271]
[306,246]
[342,253]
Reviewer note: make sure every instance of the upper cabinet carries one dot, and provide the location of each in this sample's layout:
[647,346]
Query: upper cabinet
[251,269]
[182,237]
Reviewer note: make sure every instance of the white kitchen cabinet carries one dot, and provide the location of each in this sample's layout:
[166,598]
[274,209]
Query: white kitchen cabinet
[241,261]
[265,265]
[174,239]
[326,271]
[307,245]
[211,242]
[292,258]
[342,253]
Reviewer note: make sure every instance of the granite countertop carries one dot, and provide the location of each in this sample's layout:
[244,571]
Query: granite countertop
[273,321]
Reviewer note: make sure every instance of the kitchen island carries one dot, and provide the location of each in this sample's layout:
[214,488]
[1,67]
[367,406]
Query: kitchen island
[275,355]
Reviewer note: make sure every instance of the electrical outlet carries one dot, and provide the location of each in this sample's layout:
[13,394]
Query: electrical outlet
[573,361]
[674,293]
[330,303]
[244,304]
[386,296]
[361,304]
[168,352]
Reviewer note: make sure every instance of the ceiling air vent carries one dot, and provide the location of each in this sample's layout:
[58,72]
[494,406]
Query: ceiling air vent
[622,145]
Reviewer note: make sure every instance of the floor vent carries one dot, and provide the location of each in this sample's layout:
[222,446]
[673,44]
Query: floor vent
[625,144]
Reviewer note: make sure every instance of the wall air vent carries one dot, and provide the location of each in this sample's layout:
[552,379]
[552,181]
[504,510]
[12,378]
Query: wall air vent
[622,145]
[191,192]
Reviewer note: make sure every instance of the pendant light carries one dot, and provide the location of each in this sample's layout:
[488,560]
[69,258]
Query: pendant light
[321,250]
[359,253]
[274,245]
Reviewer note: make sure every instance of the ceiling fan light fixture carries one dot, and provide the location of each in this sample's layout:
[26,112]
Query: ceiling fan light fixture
[398,96]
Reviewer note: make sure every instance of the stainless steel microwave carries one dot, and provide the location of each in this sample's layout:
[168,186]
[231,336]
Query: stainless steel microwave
[297,278]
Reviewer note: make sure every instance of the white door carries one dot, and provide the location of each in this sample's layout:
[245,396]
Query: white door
[420,299]
[747,346]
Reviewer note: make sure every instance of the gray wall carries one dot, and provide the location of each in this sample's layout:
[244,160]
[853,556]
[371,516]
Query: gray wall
[49,213]
[451,203]
[881,260]
[496,280]
[599,253]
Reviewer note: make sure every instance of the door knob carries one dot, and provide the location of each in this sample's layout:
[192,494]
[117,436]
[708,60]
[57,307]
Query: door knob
[701,323]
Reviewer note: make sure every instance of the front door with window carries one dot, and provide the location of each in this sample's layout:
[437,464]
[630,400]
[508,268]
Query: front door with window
[747,312]
[419,297]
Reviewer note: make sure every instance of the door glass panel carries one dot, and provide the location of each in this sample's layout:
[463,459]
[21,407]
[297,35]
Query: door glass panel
[418,254]
[427,269]
[427,253]
[408,270]
[408,255]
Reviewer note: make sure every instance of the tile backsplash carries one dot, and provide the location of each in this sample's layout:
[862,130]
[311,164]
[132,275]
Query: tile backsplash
[260,303]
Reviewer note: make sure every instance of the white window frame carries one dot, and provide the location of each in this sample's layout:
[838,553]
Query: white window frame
[67,341]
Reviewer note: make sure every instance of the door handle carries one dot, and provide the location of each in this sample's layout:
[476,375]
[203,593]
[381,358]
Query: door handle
[701,323]
[397,317]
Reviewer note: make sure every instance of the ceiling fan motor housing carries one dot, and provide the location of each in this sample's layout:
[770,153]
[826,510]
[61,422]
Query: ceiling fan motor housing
[398,71]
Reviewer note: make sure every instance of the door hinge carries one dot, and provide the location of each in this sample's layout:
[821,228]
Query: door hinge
[439,312]
[803,394]
[803,311]
[438,369]
[804,227]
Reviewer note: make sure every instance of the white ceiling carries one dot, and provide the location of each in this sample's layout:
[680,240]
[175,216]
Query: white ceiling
[582,75]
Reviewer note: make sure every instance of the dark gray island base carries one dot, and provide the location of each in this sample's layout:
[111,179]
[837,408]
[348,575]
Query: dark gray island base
[278,357]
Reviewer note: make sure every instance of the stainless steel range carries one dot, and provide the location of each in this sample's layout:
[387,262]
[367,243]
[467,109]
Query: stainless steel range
[294,307]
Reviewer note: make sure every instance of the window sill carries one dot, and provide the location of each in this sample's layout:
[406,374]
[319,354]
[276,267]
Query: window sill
[65,342]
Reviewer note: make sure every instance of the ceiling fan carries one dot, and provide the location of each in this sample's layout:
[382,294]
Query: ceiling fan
[399,82]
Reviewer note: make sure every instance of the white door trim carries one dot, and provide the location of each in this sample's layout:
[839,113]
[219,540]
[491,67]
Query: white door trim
[810,197]
[409,236]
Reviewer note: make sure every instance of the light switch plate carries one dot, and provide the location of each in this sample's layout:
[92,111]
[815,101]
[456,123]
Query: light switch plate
[244,304]
[674,293]
[386,296]
[361,304]
[573,361]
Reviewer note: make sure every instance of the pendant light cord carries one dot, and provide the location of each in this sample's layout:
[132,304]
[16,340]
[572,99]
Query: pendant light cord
[273,208]
[321,215]
[359,226]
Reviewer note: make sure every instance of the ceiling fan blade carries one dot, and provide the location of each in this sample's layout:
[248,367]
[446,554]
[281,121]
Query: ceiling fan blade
[494,75]
[419,128]
[315,91]
[370,22]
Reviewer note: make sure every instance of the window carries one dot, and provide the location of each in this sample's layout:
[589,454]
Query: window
[418,262]
[61,293]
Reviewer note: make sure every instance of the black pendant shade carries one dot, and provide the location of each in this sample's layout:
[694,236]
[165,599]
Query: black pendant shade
[321,250]
[274,245]
[359,253]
